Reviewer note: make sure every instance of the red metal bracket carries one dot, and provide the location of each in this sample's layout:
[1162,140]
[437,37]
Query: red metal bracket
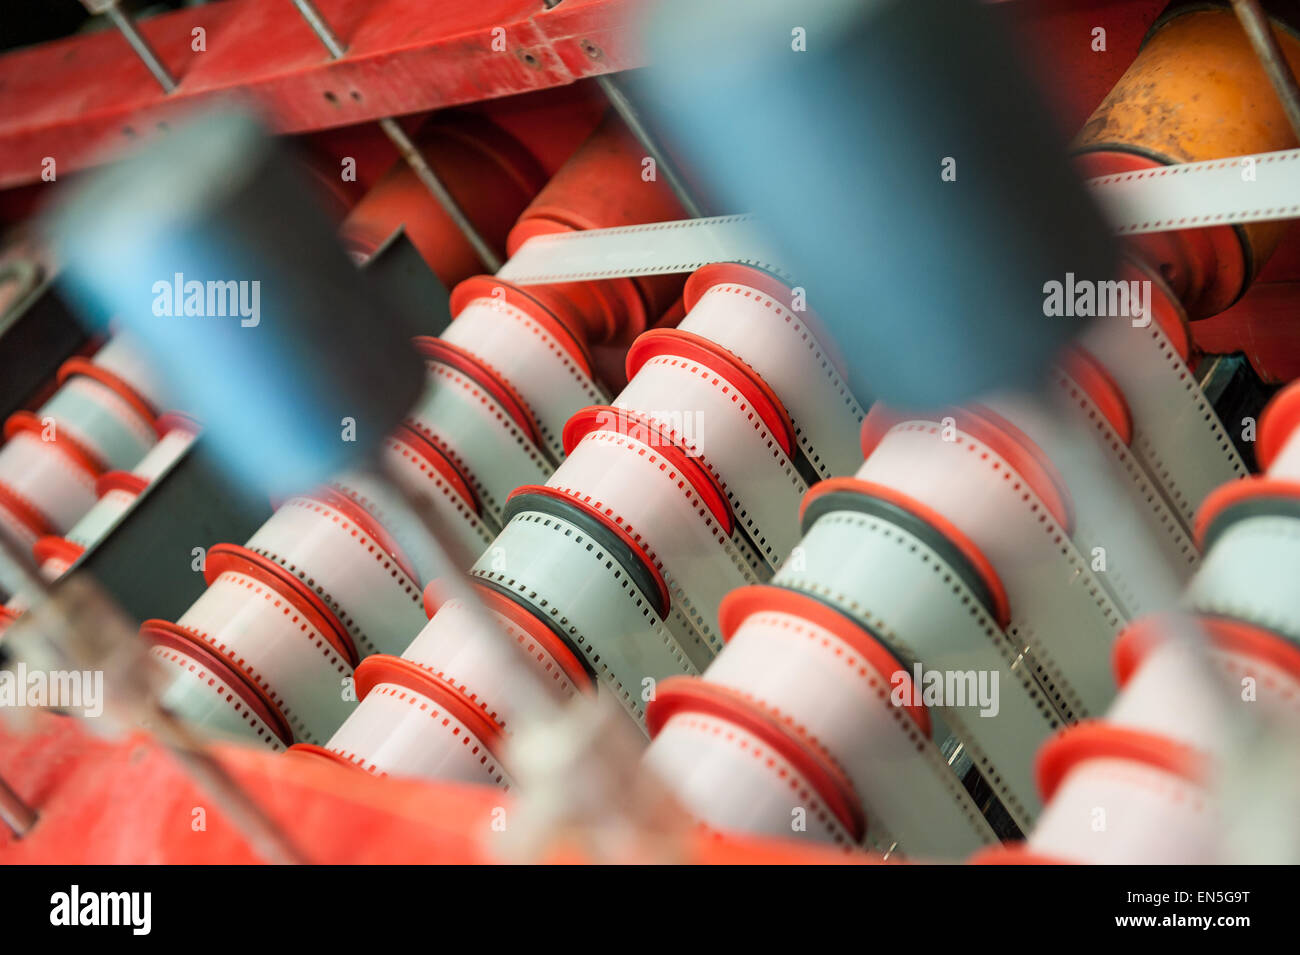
[73,99]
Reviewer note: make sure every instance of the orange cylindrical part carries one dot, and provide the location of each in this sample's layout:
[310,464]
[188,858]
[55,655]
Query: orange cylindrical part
[491,176]
[1195,92]
[603,186]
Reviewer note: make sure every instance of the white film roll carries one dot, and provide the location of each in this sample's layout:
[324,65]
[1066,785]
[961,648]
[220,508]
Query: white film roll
[1061,617]
[467,422]
[122,356]
[670,505]
[1124,812]
[680,386]
[1172,694]
[913,600]
[118,492]
[484,666]
[1277,450]
[1249,572]
[840,692]
[422,469]
[98,419]
[202,690]
[1287,464]
[48,480]
[174,443]
[334,545]
[535,356]
[276,647]
[1101,529]
[572,581]
[731,779]
[54,557]
[750,314]
[410,724]
[1176,434]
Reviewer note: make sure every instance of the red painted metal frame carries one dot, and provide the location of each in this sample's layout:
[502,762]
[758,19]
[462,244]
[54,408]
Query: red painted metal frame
[73,99]
[127,801]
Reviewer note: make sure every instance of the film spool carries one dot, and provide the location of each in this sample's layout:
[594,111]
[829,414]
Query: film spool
[123,358]
[177,437]
[723,412]
[1278,448]
[336,547]
[485,667]
[530,348]
[204,690]
[453,356]
[118,491]
[297,664]
[1151,815]
[115,432]
[925,591]
[736,767]
[427,471]
[96,523]
[568,579]
[642,566]
[1170,536]
[1018,516]
[667,502]
[78,366]
[44,488]
[487,445]
[410,723]
[807,663]
[1167,689]
[748,312]
[55,555]
[1130,581]
[1249,573]
[1176,434]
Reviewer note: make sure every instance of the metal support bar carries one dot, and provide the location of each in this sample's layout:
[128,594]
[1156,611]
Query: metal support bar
[628,112]
[15,813]
[414,158]
[126,26]
[1255,23]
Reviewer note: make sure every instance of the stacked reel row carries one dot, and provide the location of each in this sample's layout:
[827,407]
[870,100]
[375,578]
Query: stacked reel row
[70,469]
[972,546]
[611,572]
[1151,782]
[274,648]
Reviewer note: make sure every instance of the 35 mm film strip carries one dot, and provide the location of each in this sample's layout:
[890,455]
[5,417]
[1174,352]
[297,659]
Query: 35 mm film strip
[1235,190]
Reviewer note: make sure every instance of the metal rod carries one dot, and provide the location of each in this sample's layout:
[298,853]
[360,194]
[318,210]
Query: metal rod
[629,114]
[15,813]
[415,159]
[408,150]
[264,835]
[317,23]
[1255,23]
[128,29]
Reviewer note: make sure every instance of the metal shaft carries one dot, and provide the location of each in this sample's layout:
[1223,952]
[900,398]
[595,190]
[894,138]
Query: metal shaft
[628,112]
[141,46]
[408,150]
[1255,23]
[15,813]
